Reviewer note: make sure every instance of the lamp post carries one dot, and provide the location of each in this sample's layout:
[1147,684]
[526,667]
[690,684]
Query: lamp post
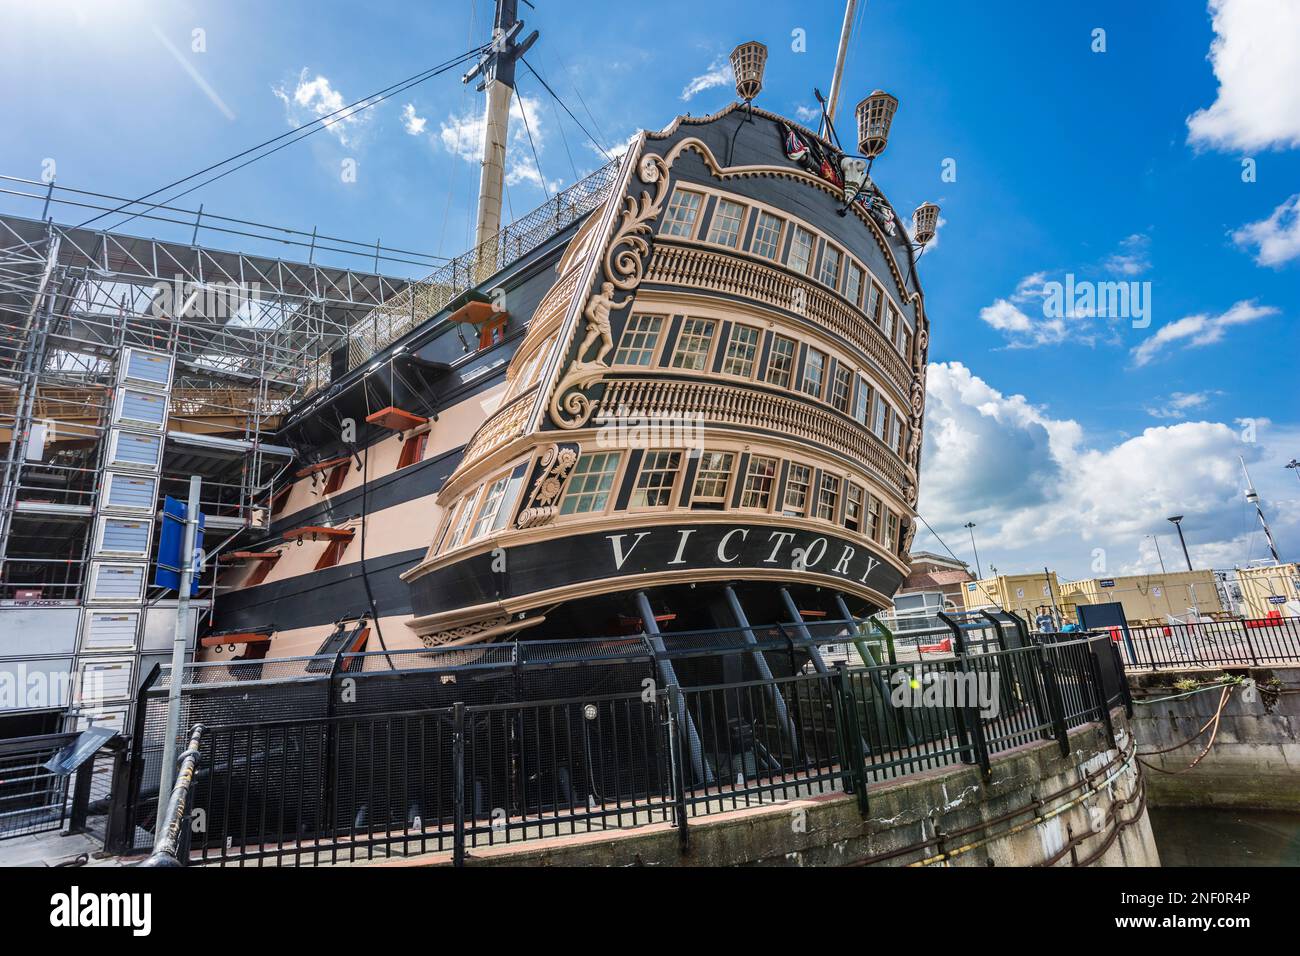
[970,526]
[1177,521]
[1294,466]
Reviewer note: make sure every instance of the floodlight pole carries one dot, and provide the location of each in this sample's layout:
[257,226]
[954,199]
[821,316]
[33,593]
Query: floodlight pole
[180,643]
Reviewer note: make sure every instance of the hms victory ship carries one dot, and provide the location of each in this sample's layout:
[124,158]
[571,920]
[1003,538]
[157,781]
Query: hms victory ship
[686,394]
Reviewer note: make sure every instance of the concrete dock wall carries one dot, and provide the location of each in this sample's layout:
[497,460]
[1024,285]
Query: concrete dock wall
[1255,760]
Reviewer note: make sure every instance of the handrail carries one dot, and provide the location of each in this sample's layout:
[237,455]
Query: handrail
[167,844]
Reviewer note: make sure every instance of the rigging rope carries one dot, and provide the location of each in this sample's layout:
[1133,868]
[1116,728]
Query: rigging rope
[315,126]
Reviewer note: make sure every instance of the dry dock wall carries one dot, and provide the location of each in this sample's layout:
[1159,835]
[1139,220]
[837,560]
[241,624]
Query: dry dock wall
[1037,807]
[1255,760]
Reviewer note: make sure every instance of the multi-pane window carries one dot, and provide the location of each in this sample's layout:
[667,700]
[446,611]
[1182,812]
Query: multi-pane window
[742,349]
[759,479]
[590,484]
[873,517]
[692,352]
[712,479]
[891,530]
[874,299]
[882,418]
[841,385]
[862,407]
[724,228]
[682,212]
[640,336]
[891,320]
[780,361]
[814,371]
[853,283]
[828,497]
[905,340]
[492,501]
[900,435]
[853,507]
[462,522]
[801,250]
[832,259]
[767,236]
[654,484]
[796,491]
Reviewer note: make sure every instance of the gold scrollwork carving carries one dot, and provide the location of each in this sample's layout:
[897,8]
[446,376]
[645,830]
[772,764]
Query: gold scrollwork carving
[624,265]
[543,502]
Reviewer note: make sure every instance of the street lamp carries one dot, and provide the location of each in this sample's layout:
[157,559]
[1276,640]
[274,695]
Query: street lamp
[970,526]
[1294,466]
[1177,521]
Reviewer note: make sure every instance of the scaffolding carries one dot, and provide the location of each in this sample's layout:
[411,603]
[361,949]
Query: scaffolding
[128,364]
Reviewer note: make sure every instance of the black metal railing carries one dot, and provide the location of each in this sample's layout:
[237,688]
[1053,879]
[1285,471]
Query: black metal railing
[33,799]
[343,784]
[1237,642]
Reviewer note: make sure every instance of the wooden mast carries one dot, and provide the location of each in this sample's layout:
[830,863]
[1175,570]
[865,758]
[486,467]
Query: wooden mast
[840,56]
[497,68]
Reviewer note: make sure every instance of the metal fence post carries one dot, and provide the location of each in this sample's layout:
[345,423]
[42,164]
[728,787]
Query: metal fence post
[1118,661]
[852,736]
[458,782]
[1099,688]
[1055,705]
[677,765]
[81,797]
[135,770]
[969,714]
[1250,645]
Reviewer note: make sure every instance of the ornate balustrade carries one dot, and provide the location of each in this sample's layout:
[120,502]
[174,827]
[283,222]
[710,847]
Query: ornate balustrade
[739,405]
[673,263]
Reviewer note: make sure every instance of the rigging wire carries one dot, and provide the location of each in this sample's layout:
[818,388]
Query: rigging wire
[323,122]
[537,161]
[575,119]
[367,248]
[937,538]
[565,141]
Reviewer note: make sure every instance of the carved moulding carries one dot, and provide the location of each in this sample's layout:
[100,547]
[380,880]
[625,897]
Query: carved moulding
[466,633]
[549,475]
[624,267]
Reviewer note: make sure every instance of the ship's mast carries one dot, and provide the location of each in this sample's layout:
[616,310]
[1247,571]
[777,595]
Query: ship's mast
[840,56]
[497,68]
[1253,498]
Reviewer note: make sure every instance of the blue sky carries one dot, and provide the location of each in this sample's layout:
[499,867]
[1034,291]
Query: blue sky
[1057,438]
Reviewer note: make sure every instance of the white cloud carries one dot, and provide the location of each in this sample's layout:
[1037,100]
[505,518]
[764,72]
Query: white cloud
[414,124]
[718,74]
[1041,493]
[462,135]
[1257,63]
[1277,238]
[1021,330]
[315,97]
[1179,404]
[1200,330]
[807,113]
[1132,258]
